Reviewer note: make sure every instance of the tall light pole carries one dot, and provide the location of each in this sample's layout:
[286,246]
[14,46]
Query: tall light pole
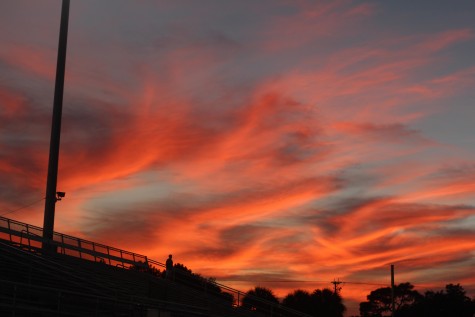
[48,223]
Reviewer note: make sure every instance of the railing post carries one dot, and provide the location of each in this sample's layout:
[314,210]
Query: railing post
[9,230]
[28,233]
[79,247]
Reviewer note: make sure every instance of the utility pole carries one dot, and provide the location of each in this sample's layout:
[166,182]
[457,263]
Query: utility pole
[392,290]
[335,285]
[48,223]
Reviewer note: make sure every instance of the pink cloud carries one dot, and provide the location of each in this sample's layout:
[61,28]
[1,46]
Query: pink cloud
[34,60]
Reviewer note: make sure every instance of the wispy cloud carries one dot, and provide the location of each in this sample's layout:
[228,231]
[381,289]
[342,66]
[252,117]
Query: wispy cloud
[290,147]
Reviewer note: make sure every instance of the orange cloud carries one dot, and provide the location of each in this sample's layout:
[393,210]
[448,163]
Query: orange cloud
[255,158]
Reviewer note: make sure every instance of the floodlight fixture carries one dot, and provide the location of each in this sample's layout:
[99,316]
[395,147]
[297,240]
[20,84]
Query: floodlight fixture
[60,195]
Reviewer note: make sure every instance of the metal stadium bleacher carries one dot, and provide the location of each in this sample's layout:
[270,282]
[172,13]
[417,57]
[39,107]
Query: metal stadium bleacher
[84,278]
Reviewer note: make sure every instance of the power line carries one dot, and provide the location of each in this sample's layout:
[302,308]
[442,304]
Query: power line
[303,281]
[364,283]
[23,207]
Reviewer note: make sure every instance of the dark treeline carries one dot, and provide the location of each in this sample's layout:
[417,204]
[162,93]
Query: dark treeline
[260,300]
[449,302]
[185,276]
[319,303]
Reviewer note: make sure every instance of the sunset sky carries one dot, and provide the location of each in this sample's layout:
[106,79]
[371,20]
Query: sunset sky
[257,141]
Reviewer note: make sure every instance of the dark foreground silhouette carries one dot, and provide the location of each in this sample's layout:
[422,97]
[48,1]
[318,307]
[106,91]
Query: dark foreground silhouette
[449,302]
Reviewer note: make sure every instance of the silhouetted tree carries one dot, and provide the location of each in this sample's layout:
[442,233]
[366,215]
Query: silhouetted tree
[379,300]
[451,302]
[227,298]
[260,299]
[327,303]
[321,303]
[213,289]
[299,300]
[146,267]
[185,276]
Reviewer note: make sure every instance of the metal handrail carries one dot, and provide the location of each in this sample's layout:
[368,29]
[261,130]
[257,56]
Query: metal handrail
[113,255]
[137,260]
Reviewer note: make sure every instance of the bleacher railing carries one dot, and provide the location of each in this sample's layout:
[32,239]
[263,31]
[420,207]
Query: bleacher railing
[31,237]
[26,235]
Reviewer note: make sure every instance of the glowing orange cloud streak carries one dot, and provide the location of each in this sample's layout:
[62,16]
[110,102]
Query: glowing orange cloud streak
[458,189]
[313,162]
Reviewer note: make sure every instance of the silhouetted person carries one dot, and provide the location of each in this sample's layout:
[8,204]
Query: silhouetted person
[169,267]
